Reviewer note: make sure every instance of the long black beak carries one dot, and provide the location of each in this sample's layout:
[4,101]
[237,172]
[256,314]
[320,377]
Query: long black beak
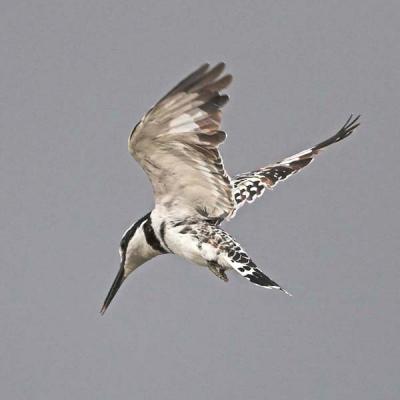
[114,289]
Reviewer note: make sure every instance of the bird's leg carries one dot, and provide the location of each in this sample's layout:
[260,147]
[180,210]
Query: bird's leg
[217,270]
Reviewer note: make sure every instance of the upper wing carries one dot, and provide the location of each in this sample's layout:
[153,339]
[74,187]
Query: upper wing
[248,186]
[176,143]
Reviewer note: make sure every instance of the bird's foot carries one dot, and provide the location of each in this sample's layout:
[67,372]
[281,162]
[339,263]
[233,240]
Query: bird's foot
[218,271]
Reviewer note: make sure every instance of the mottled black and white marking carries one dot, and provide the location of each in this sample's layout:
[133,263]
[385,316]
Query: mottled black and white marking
[251,185]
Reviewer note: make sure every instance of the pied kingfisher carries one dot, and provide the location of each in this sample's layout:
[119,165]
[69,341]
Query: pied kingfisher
[176,143]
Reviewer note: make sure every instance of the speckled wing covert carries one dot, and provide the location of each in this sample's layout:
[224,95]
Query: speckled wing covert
[176,143]
[249,186]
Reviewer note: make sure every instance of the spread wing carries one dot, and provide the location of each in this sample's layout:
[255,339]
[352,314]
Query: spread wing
[176,143]
[251,185]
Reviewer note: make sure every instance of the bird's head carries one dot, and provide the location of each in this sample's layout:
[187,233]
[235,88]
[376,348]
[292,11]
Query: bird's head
[134,251]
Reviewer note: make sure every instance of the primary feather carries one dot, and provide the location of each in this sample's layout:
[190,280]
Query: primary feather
[176,143]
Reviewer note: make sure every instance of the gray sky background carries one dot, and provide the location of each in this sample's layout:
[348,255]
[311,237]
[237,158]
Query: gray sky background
[75,77]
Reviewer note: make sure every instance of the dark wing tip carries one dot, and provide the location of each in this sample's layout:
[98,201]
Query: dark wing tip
[351,123]
[348,128]
[203,77]
[218,68]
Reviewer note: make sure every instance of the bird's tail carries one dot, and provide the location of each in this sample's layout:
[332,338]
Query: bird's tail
[235,257]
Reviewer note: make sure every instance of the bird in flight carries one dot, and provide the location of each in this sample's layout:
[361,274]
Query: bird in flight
[176,143]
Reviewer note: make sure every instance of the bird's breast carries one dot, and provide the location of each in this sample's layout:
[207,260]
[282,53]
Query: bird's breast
[187,240]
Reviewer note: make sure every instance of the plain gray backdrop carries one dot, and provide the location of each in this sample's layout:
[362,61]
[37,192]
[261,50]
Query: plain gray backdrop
[75,78]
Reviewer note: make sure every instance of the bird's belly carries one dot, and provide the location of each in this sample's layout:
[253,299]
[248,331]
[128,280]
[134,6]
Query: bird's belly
[189,247]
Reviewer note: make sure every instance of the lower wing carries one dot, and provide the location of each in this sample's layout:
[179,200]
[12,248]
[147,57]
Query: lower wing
[251,185]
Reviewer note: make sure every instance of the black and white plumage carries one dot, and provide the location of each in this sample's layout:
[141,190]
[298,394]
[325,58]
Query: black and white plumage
[176,143]
[251,185]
